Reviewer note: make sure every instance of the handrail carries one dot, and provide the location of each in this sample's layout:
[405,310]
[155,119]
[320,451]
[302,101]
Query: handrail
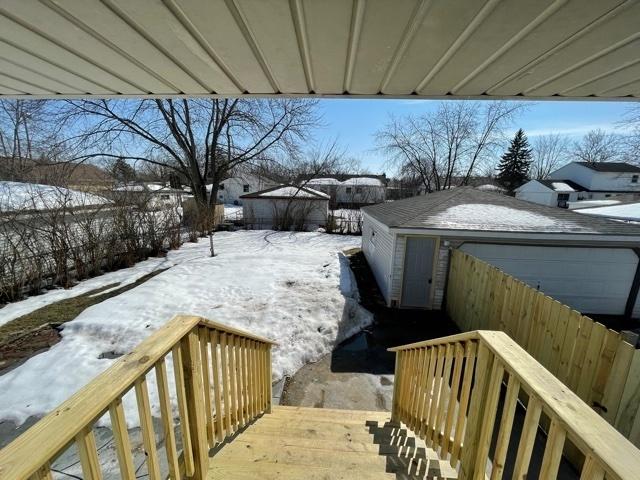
[223,381]
[449,385]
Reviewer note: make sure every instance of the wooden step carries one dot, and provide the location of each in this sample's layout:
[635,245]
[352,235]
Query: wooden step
[298,442]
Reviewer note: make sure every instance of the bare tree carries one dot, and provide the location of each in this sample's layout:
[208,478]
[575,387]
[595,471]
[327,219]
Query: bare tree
[549,152]
[598,146]
[444,148]
[631,123]
[202,140]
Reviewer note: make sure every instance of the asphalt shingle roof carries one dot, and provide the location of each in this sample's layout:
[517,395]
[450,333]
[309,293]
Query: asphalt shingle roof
[466,208]
[611,167]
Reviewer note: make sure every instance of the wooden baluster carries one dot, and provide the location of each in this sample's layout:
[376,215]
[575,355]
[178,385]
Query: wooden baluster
[443,397]
[195,403]
[423,389]
[239,381]
[465,395]
[167,420]
[260,379]
[206,384]
[437,382]
[527,438]
[224,352]
[43,473]
[178,373]
[506,425]
[406,380]
[146,425]
[469,468]
[415,396]
[88,454]
[217,393]
[488,413]
[453,398]
[553,451]
[252,379]
[233,378]
[121,439]
[591,470]
[433,360]
[268,373]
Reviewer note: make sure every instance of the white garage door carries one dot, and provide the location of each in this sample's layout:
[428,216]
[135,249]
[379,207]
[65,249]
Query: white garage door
[591,280]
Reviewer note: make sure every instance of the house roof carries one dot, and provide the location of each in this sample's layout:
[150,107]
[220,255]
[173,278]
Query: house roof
[562,185]
[623,211]
[466,208]
[611,167]
[288,192]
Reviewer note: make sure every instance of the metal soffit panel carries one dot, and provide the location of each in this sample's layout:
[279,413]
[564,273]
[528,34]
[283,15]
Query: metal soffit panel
[396,48]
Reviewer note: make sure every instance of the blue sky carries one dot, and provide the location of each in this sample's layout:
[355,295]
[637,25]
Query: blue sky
[353,122]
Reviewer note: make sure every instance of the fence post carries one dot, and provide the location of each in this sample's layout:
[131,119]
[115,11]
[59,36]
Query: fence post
[195,402]
[269,380]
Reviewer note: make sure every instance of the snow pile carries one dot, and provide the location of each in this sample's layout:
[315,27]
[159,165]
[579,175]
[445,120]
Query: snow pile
[34,196]
[295,288]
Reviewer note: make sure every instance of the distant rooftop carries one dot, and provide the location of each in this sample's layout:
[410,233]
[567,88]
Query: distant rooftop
[611,167]
[562,185]
[288,192]
[466,208]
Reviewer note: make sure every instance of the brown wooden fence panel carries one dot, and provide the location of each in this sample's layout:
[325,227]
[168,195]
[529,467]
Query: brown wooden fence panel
[596,363]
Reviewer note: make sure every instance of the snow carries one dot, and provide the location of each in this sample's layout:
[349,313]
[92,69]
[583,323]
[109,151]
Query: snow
[487,187]
[360,181]
[627,211]
[295,288]
[232,212]
[34,196]
[561,187]
[591,203]
[296,192]
[486,216]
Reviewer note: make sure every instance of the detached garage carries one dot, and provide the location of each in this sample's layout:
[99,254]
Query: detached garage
[588,263]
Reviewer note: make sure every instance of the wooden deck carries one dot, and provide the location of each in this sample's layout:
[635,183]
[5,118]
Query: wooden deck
[315,443]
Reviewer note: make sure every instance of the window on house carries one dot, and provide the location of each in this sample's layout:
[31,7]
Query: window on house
[607,195]
[245,188]
[221,186]
[348,189]
[164,197]
[563,198]
[634,179]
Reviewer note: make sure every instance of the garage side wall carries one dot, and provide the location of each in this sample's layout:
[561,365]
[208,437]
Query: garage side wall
[377,245]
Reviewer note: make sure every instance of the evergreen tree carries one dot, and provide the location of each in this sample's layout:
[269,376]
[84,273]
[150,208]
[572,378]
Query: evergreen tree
[513,169]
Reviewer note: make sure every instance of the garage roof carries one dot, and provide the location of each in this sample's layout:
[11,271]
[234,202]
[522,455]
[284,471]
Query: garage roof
[466,208]
[422,48]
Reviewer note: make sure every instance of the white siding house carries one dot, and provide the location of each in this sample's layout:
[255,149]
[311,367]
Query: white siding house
[578,181]
[587,262]
[351,191]
[232,189]
[285,207]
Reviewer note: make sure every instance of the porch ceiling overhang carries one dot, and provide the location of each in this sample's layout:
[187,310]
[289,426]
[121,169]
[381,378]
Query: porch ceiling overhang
[419,48]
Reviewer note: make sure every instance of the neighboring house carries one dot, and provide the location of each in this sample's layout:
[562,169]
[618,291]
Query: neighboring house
[352,191]
[285,207]
[583,261]
[232,189]
[24,197]
[158,195]
[578,181]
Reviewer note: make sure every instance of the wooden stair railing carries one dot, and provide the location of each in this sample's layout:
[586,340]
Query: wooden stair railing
[448,392]
[223,381]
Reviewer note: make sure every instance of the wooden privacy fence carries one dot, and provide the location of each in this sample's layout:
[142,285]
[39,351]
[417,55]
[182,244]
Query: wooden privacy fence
[595,362]
[222,382]
[448,392]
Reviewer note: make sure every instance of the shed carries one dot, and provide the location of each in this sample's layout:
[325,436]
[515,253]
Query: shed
[587,262]
[285,207]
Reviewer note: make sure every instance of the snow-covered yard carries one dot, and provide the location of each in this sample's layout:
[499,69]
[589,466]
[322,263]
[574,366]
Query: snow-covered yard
[295,288]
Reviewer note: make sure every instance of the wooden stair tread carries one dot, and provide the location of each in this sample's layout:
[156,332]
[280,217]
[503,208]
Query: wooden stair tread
[299,442]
